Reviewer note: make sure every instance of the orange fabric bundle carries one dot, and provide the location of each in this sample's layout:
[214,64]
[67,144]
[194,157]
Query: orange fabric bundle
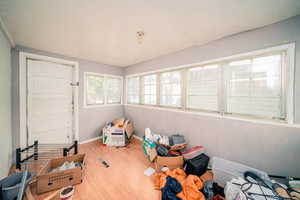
[191,187]
[190,184]
[160,178]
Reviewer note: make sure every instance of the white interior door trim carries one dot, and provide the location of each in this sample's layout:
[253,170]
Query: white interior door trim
[23,56]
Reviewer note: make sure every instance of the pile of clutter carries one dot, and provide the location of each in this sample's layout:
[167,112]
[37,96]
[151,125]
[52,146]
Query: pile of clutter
[157,145]
[189,174]
[178,184]
[181,172]
[117,132]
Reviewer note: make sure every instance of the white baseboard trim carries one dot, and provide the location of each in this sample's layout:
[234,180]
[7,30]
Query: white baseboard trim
[90,140]
[138,137]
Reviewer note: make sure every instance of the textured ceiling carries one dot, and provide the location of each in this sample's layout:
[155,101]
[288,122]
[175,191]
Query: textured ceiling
[105,30]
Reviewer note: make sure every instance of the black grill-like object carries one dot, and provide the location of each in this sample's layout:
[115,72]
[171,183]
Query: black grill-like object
[35,155]
[37,152]
[67,150]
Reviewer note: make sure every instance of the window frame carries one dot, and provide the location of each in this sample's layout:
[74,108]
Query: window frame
[105,77]
[219,95]
[288,86]
[86,89]
[106,89]
[182,83]
[126,90]
[142,89]
[282,85]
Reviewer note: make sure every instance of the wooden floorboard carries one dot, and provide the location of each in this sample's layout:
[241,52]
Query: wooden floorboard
[124,179]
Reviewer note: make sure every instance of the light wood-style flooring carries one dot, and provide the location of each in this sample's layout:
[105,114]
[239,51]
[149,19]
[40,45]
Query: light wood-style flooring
[123,180]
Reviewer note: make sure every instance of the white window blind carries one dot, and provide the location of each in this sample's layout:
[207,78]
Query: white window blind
[202,88]
[254,87]
[257,85]
[149,89]
[133,90]
[94,89]
[114,90]
[170,89]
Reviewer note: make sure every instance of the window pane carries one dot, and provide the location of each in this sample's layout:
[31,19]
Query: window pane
[170,87]
[202,91]
[149,89]
[254,87]
[95,89]
[114,90]
[133,90]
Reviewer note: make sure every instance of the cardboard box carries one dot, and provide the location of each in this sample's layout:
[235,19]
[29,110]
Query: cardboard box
[170,162]
[48,181]
[149,149]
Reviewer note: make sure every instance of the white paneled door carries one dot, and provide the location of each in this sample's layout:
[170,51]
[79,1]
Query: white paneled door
[49,102]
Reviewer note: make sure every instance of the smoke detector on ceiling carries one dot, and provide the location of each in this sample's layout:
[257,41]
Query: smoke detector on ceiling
[140,36]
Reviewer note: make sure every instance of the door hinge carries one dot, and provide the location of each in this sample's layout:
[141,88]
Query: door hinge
[74,84]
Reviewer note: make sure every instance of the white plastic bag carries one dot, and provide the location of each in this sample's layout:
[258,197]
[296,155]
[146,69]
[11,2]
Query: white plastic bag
[240,189]
[233,191]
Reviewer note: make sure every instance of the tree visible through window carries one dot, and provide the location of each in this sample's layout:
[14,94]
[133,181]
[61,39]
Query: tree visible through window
[102,89]
[95,90]
[114,90]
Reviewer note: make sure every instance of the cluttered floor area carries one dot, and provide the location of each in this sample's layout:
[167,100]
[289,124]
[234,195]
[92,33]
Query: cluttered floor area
[123,178]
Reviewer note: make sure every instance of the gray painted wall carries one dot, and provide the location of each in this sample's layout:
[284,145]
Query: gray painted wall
[272,148]
[5,105]
[91,120]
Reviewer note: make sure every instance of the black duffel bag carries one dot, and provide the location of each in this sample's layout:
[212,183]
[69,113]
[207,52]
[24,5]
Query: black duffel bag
[197,166]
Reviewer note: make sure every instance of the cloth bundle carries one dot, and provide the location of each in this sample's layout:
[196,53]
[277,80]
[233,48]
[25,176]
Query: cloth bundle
[176,185]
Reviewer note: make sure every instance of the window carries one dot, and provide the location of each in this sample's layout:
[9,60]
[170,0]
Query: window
[149,89]
[254,87]
[202,90]
[94,89]
[170,89]
[114,90]
[133,90]
[102,89]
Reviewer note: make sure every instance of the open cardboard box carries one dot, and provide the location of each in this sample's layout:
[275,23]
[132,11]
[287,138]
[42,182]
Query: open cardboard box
[170,162]
[48,181]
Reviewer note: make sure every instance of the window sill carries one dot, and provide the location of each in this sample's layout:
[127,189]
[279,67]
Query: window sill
[100,106]
[216,115]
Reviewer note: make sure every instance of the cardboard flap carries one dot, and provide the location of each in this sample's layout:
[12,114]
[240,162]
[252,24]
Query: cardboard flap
[170,162]
[129,129]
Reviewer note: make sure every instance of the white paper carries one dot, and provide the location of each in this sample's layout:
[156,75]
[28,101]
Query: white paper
[149,171]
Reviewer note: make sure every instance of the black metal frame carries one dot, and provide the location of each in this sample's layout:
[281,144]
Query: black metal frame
[35,154]
[68,149]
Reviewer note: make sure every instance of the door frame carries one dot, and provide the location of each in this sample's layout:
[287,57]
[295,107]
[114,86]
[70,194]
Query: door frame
[23,56]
